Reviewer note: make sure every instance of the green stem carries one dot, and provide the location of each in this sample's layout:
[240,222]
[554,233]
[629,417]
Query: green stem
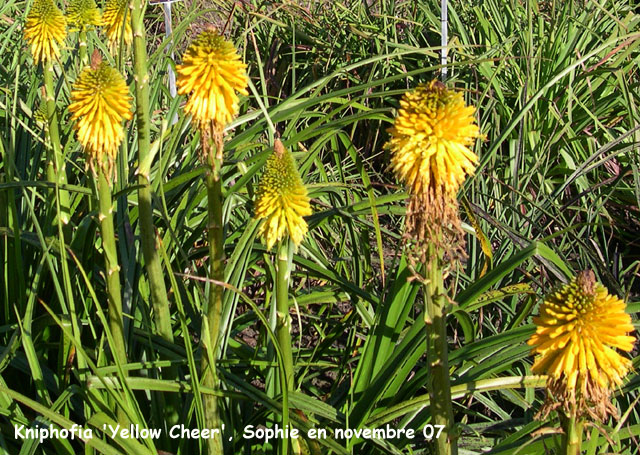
[147,229]
[438,357]
[283,324]
[112,272]
[152,260]
[57,174]
[56,170]
[283,329]
[14,223]
[211,326]
[572,437]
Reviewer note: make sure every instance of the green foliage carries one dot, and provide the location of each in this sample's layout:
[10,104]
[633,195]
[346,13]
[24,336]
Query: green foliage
[557,191]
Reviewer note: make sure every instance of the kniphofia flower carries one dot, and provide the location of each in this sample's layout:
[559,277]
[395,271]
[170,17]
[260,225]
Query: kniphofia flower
[45,30]
[430,152]
[83,14]
[281,199]
[100,102]
[116,19]
[430,139]
[211,73]
[579,328]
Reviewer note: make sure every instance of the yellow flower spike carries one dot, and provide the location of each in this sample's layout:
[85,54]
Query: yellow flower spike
[584,366]
[83,15]
[430,152]
[281,199]
[115,19]
[100,102]
[45,30]
[430,139]
[211,73]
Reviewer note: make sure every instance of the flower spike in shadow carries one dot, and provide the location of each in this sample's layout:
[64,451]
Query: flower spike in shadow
[83,15]
[116,19]
[100,102]
[282,199]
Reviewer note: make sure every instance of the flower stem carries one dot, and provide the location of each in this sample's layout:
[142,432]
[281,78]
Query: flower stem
[572,438]
[56,171]
[112,268]
[112,272]
[211,327]
[56,174]
[283,324]
[283,329]
[437,355]
[152,260]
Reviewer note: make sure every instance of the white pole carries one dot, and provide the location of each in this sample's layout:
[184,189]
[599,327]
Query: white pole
[444,38]
[168,28]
